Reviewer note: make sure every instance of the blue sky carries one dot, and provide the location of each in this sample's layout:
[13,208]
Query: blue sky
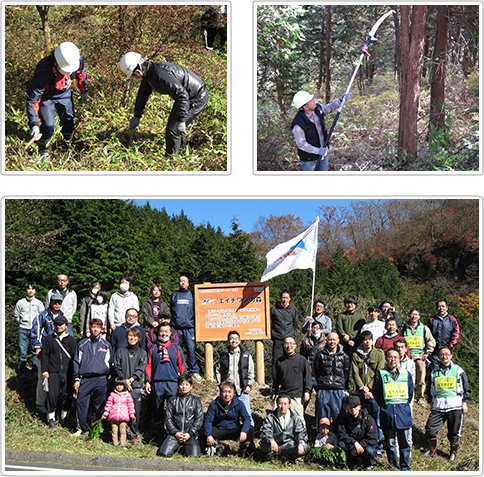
[220,212]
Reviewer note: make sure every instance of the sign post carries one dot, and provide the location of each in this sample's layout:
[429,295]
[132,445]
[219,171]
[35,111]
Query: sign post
[220,308]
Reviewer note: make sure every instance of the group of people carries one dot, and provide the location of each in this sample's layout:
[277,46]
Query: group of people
[364,371]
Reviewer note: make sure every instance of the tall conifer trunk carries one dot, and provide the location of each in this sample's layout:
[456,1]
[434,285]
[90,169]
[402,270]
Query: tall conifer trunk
[437,84]
[412,44]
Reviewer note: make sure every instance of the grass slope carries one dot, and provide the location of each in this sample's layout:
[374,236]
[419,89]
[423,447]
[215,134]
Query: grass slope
[25,431]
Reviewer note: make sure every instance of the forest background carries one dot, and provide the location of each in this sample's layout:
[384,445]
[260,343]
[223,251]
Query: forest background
[103,34]
[414,105]
[412,252]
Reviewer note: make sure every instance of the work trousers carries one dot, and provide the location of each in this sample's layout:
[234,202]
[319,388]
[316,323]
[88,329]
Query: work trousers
[436,421]
[171,445]
[289,448]
[176,141]
[60,393]
[404,447]
[420,369]
[329,403]
[212,33]
[365,459]
[163,390]
[187,337]
[91,386]
[41,395]
[47,110]
[134,425]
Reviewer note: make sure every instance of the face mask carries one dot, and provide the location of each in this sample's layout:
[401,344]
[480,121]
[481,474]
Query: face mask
[99,299]
[95,291]
[124,287]
[163,340]
[316,335]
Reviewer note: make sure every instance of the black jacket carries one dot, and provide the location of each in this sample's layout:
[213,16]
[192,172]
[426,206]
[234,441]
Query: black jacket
[293,376]
[363,429]
[283,322]
[331,370]
[184,414]
[130,362]
[54,359]
[171,79]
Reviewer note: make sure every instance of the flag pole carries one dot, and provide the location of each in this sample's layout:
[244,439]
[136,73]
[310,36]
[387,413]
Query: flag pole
[314,268]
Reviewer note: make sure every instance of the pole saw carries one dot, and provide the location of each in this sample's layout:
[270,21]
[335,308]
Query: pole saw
[371,37]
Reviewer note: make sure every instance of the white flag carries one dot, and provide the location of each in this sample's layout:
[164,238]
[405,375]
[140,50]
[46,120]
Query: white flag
[299,252]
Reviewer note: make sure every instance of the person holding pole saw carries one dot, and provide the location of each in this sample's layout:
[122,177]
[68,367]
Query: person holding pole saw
[344,97]
[310,131]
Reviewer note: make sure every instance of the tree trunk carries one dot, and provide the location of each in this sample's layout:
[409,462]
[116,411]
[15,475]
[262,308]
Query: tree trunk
[437,84]
[328,54]
[427,41]
[321,55]
[411,43]
[44,17]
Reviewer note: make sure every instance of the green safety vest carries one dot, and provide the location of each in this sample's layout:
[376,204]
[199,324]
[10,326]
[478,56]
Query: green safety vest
[415,342]
[446,384]
[395,391]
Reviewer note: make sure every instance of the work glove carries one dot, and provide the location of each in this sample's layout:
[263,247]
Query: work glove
[323,151]
[34,131]
[345,96]
[133,123]
[83,98]
[180,128]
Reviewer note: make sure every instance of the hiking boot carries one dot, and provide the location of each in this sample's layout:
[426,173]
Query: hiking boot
[51,424]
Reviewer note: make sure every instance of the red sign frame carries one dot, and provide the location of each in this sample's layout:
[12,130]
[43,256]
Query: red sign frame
[223,307]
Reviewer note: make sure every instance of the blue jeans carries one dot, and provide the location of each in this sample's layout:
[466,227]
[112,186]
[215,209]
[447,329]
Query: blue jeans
[311,165]
[187,337]
[391,436]
[330,403]
[374,409]
[245,398]
[23,346]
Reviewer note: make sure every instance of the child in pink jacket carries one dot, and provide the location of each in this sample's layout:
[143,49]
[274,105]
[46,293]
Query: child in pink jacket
[119,409]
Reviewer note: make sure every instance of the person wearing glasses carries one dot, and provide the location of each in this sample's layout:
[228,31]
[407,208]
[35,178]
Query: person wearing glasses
[119,338]
[449,394]
[393,391]
[69,300]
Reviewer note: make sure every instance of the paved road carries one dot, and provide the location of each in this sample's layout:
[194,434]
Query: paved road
[37,461]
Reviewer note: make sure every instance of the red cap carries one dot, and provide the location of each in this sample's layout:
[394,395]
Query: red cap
[325,420]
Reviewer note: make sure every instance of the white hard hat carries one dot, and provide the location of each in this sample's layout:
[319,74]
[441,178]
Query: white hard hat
[129,62]
[301,98]
[67,57]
